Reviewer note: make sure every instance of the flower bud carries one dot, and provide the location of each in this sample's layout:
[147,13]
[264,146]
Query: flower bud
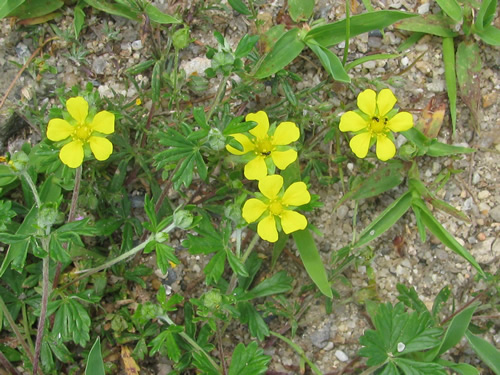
[47,215]
[216,139]
[183,219]
[212,300]
[19,161]
[180,39]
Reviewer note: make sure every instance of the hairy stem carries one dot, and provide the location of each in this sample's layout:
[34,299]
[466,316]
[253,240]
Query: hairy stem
[218,97]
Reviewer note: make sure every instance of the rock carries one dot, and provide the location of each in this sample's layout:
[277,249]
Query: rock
[320,337]
[483,251]
[490,99]
[341,356]
[342,212]
[483,194]
[495,214]
[99,65]
[136,45]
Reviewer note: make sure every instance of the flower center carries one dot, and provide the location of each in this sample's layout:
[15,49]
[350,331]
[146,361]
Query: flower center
[377,125]
[263,147]
[82,132]
[275,207]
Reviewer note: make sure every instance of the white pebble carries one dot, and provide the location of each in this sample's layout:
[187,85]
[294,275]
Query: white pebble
[341,356]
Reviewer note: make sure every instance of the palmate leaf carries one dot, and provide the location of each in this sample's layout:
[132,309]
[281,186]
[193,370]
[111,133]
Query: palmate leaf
[397,334]
[248,361]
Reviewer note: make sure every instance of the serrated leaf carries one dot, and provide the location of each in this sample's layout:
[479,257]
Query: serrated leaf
[164,255]
[278,283]
[409,366]
[256,325]
[236,264]
[248,361]
[410,298]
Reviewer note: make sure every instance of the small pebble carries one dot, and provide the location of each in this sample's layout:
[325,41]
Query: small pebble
[483,194]
[481,236]
[341,356]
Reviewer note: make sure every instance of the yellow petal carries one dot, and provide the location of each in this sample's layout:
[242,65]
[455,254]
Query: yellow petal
[401,122]
[283,159]
[286,133]
[101,147]
[296,195]
[292,221]
[72,154]
[260,131]
[59,129]
[367,102]
[385,148]
[103,122]
[270,186]
[78,108]
[267,229]
[360,144]
[244,141]
[352,122]
[253,209]
[256,168]
[385,102]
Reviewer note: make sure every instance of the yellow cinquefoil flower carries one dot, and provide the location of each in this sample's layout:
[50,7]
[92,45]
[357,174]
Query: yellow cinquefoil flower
[263,149]
[82,131]
[277,204]
[374,123]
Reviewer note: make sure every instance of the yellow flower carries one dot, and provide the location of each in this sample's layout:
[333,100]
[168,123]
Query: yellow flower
[82,131]
[276,204]
[263,149]
[375,123]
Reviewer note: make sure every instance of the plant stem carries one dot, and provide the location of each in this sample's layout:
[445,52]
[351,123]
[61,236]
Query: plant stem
[7,365]
[20,338]
[43,308]
[234,277]
[218,96]
[32,186]
[347,30]
[71,217]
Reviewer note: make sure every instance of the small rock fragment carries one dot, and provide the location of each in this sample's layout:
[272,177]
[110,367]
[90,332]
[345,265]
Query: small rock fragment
[341,356]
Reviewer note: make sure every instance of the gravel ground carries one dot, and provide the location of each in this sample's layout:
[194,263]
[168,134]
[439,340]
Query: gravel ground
[330,340]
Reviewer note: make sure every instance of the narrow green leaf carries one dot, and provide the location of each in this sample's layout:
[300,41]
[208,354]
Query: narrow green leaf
[385,220]
[286,49]
[236,264]
[78,20]
[435,24]
[115,9]
[312,261]
[156,81]
[490,35]
[420,224]
[278,283]
[240,7]
[486,351]
[461,368]
[300,10]
[141,67]
[95,364]
[442,234]
[410,366]
[330,61]
[486,14]
[450,76]
[245,45]
[452,9]
[362,60]
[173,351]
[437,149]
[334,33]
[440,300]
[456,329]
[34,9]
[158,16]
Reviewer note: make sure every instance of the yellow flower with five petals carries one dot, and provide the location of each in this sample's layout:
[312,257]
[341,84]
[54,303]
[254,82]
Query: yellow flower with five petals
[375,123]
[264,149]
[276,207]
[82,130]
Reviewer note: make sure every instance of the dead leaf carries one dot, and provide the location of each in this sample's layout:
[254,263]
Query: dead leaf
[129,364]
[431,120]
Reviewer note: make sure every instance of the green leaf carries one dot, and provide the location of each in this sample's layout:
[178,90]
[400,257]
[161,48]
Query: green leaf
[240,7]
[9,6]
[490,35]
[95,364]
[33,9]
[409,366]
[286,49]
[362,60]
[461,368]
[433,147]
[236,264]
[248,361]
[164,254]
[334,33]
[249,315]
[140,67]
[435,24]
[450,77]
[410,298]
[385,220]
[468,66]
[300,10]
[442,234]
[156,81]
[330,61]
[245,45]
[72,322]
[237,126]
[486,351]
[312,261]
[456,329]
[158,16]
[278,283]
[215,267]
[173,351]
[452,9]
[116,9]
[78,20]
[440,300]
[486,14]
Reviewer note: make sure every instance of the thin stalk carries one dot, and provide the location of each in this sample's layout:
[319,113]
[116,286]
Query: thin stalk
[19,336]
[142,245]
[234,277]
[7,365]
[354,218]
[347,30]
[337,151]
[218,96]
[71,217]
[32,186]
[27,329]
[43,308]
